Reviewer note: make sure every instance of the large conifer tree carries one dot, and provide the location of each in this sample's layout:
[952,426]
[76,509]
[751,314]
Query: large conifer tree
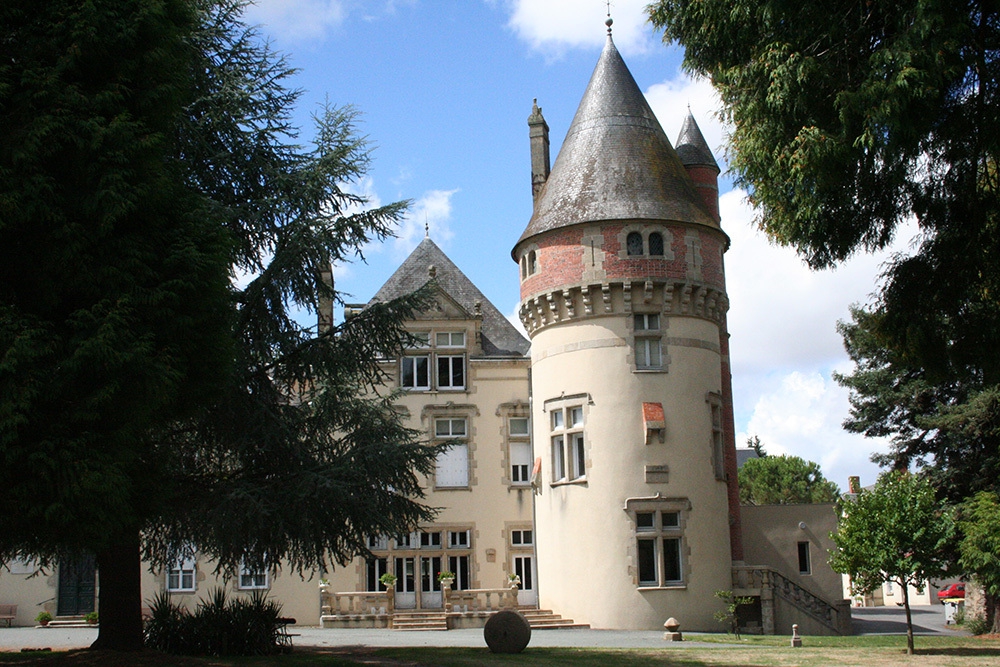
[159,225]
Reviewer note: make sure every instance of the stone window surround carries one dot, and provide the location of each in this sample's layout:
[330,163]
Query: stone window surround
[429,416]
[659,504]
[645,229]
[565,402]
[506,411]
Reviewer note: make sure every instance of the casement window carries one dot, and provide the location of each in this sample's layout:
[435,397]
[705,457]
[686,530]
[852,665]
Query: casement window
[805,566]
[415,373]
[430,540]
[521,538]
[252,578]
[405,541]
[22,566]
[451,371]
[460,566]
[180,573]
[452,467]
[374,569]
[458,539]
[568,451]
[378,543]
[519,451]
[659,547]
[648,354]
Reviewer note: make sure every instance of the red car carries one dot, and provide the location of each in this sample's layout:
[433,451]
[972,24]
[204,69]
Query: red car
[952,591]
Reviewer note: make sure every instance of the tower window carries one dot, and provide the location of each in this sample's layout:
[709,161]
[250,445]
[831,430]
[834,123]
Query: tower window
[659,541]
[568,444]
[656,244]
[648,354]
[633,243]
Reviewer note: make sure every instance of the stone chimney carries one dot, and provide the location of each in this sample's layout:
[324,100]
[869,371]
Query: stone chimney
[538,132]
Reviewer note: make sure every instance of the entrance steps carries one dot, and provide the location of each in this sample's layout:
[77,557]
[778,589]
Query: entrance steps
[70,622]
[419,620]
[545,619]
[538,619]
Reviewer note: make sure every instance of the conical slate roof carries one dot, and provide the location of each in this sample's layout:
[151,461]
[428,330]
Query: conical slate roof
[692,148]
[615,163]
[500,338]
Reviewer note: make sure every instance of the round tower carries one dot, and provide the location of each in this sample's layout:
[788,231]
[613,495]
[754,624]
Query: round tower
[623,295]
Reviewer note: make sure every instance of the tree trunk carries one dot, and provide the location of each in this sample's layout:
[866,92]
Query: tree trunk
[909,619]
[120,599]
[991,607]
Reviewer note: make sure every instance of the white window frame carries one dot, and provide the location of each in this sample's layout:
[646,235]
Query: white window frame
[519,450]
[522,537]
[182,570]
[251,580]
[449,339]
[568,444]
[648,341]
[659,527]
[447,430]
[459,539]
[430,539]
[451,372]
[414,383]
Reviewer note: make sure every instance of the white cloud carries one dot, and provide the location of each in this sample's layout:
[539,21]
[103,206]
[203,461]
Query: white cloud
[515,320]
[670,101]
[297,20]
[802,416]
[553,26]
[432,210]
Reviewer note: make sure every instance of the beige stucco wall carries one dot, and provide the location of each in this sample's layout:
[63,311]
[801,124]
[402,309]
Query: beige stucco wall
[771,534]
[31,594]
[586,539]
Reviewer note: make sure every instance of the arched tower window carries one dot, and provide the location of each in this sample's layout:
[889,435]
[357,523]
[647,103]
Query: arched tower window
[655,244]
[633,242]
[532,263]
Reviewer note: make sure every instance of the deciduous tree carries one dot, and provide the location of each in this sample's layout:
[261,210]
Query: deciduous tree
[896,532]
[979,548]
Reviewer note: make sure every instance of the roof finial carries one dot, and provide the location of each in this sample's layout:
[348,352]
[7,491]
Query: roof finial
[427,228]
[609,20]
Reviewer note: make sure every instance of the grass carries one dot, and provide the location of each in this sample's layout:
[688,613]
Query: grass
[725,651]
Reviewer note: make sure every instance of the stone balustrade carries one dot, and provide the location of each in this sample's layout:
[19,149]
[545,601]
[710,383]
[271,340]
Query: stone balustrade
[480,599]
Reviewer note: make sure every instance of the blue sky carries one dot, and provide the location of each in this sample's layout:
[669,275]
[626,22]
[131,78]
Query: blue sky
[445,88]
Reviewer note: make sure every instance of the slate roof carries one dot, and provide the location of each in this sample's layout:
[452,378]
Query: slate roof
[500,338]
[692,148]
[616,162]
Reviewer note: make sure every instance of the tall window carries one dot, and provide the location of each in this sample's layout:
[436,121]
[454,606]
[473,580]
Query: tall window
[805,567]
[415,372]
[452,469]
[658,547]
[647,341]
[519,450]
[444,353]
[180,573]
[568,451]
[374,569]
[718,443]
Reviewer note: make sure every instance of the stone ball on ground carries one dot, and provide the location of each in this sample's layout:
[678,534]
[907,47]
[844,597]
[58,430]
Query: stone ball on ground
[507,631]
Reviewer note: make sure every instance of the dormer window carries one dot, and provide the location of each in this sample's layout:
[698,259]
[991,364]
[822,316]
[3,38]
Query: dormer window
[443,351]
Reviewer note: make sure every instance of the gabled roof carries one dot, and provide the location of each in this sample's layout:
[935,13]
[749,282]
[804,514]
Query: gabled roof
[692,148]
[500,338]
[615,163]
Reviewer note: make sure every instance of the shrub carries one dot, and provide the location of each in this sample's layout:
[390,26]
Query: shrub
[219,626]
[977,625]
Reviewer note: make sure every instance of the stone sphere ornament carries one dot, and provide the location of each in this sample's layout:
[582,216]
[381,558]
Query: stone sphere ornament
[507,631]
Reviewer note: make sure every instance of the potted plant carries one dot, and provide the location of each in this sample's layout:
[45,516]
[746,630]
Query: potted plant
[324,585]
[388,580]
[446,578]
[91,618]
[513,580]
[43,618]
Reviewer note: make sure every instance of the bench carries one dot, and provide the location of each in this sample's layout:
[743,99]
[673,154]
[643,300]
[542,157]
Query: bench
[284,636]
[8,612]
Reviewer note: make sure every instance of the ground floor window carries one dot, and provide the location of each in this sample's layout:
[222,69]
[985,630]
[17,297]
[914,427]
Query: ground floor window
[375,568]
[659,541]
[180,574]
[252,578]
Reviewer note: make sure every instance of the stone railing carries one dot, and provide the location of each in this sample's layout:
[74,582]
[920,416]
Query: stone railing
[480,599]
[356,603]
[765,582]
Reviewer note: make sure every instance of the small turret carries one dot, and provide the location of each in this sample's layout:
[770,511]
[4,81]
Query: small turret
[697,158]
[538,132]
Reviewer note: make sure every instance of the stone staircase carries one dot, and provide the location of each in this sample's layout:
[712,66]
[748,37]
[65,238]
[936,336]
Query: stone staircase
[545,619]
[539,619]
[70,622]
[419,620]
